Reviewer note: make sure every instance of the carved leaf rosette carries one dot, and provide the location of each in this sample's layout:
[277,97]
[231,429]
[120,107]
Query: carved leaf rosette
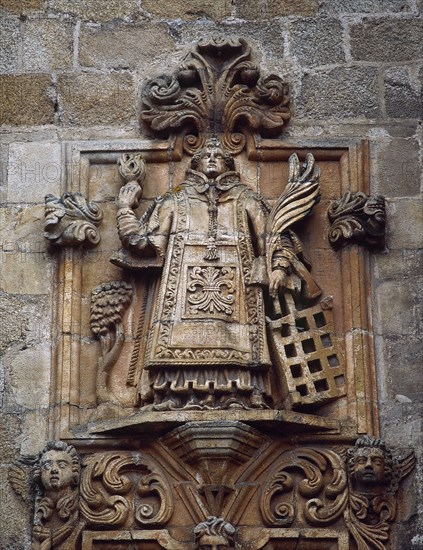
[124,488]
[217,90]
[306,483]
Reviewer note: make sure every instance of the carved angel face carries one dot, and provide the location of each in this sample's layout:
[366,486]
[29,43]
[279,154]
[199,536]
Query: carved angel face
[56,470]
[213,542]
[369,466]
[212,162]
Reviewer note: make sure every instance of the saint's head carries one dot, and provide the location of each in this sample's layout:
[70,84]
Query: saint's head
[214,534]
[58,466]
[212,160]
[370,464]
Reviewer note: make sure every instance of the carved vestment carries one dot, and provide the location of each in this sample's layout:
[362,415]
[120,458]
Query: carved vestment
[208,333]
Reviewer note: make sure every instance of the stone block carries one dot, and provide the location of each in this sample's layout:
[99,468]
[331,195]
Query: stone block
[47,45]
[34,170]
[387,39]
[9,43]
[147,45]
[330,7]
[96,10]
[10,429]
[28,377]
[339,94]
[396,167]
[403,93]
[27,268]
[27,100]
[317,42]
[95,99]
[262,9]
[397,264]
[22,6]
[188,9]
[405,224]
[399,308]
[402,360]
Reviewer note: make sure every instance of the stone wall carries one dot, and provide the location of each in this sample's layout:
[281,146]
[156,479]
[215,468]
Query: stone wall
[72,69]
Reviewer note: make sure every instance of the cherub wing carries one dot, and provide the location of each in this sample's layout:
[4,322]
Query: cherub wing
[297,200]
[19,480]
[405,464]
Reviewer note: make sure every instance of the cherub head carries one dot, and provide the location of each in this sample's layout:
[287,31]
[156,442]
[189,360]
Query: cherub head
[369,464]
[214,534]
[212,160]
[58,466]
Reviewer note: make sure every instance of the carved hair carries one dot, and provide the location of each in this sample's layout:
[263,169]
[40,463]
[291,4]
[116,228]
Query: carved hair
[372,443]
[213,142]
[65,448]
[217,527]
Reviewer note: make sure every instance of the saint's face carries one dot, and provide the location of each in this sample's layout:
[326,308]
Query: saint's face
[212,163]
[213,542]
[56,470]
[369,466]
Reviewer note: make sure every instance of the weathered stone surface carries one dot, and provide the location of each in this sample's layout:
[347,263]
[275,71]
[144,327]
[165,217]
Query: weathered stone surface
[34,170]
[339,93]
[9,43]
[403,93]
[27,100]
[329,7]
[317,42]
[95,99]
[124,47]
[22,6]
[96,10]
[369,40]
[399,307]
[14,513]
[261,9]
[188,9]
[47,45]
[401,233]
[26,266]
[396,167]
[10,427]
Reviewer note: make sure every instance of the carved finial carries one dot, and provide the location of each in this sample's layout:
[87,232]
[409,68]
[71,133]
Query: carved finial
[217,90]
[214,533]
[357,217]
[72,220]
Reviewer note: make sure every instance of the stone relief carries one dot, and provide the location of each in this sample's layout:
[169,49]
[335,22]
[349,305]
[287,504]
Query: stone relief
[56,516]
[374,478]
[108,302]
[357,218]
[218,326]
[228,261]
[217,90]
[72,220]
[214,534]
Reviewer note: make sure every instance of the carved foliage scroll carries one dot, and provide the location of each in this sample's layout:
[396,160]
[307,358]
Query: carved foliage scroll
[216,90]
[317,476]
[357,217]
[72,220]
[124,488]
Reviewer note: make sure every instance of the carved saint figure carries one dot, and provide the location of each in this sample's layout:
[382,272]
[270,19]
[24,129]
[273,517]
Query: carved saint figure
[56,473]
[214,534]
[207,345]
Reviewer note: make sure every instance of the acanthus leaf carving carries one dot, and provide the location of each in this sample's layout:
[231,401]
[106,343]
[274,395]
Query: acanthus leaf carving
[216,90]
[72,220]
[357,217]
[123,487]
